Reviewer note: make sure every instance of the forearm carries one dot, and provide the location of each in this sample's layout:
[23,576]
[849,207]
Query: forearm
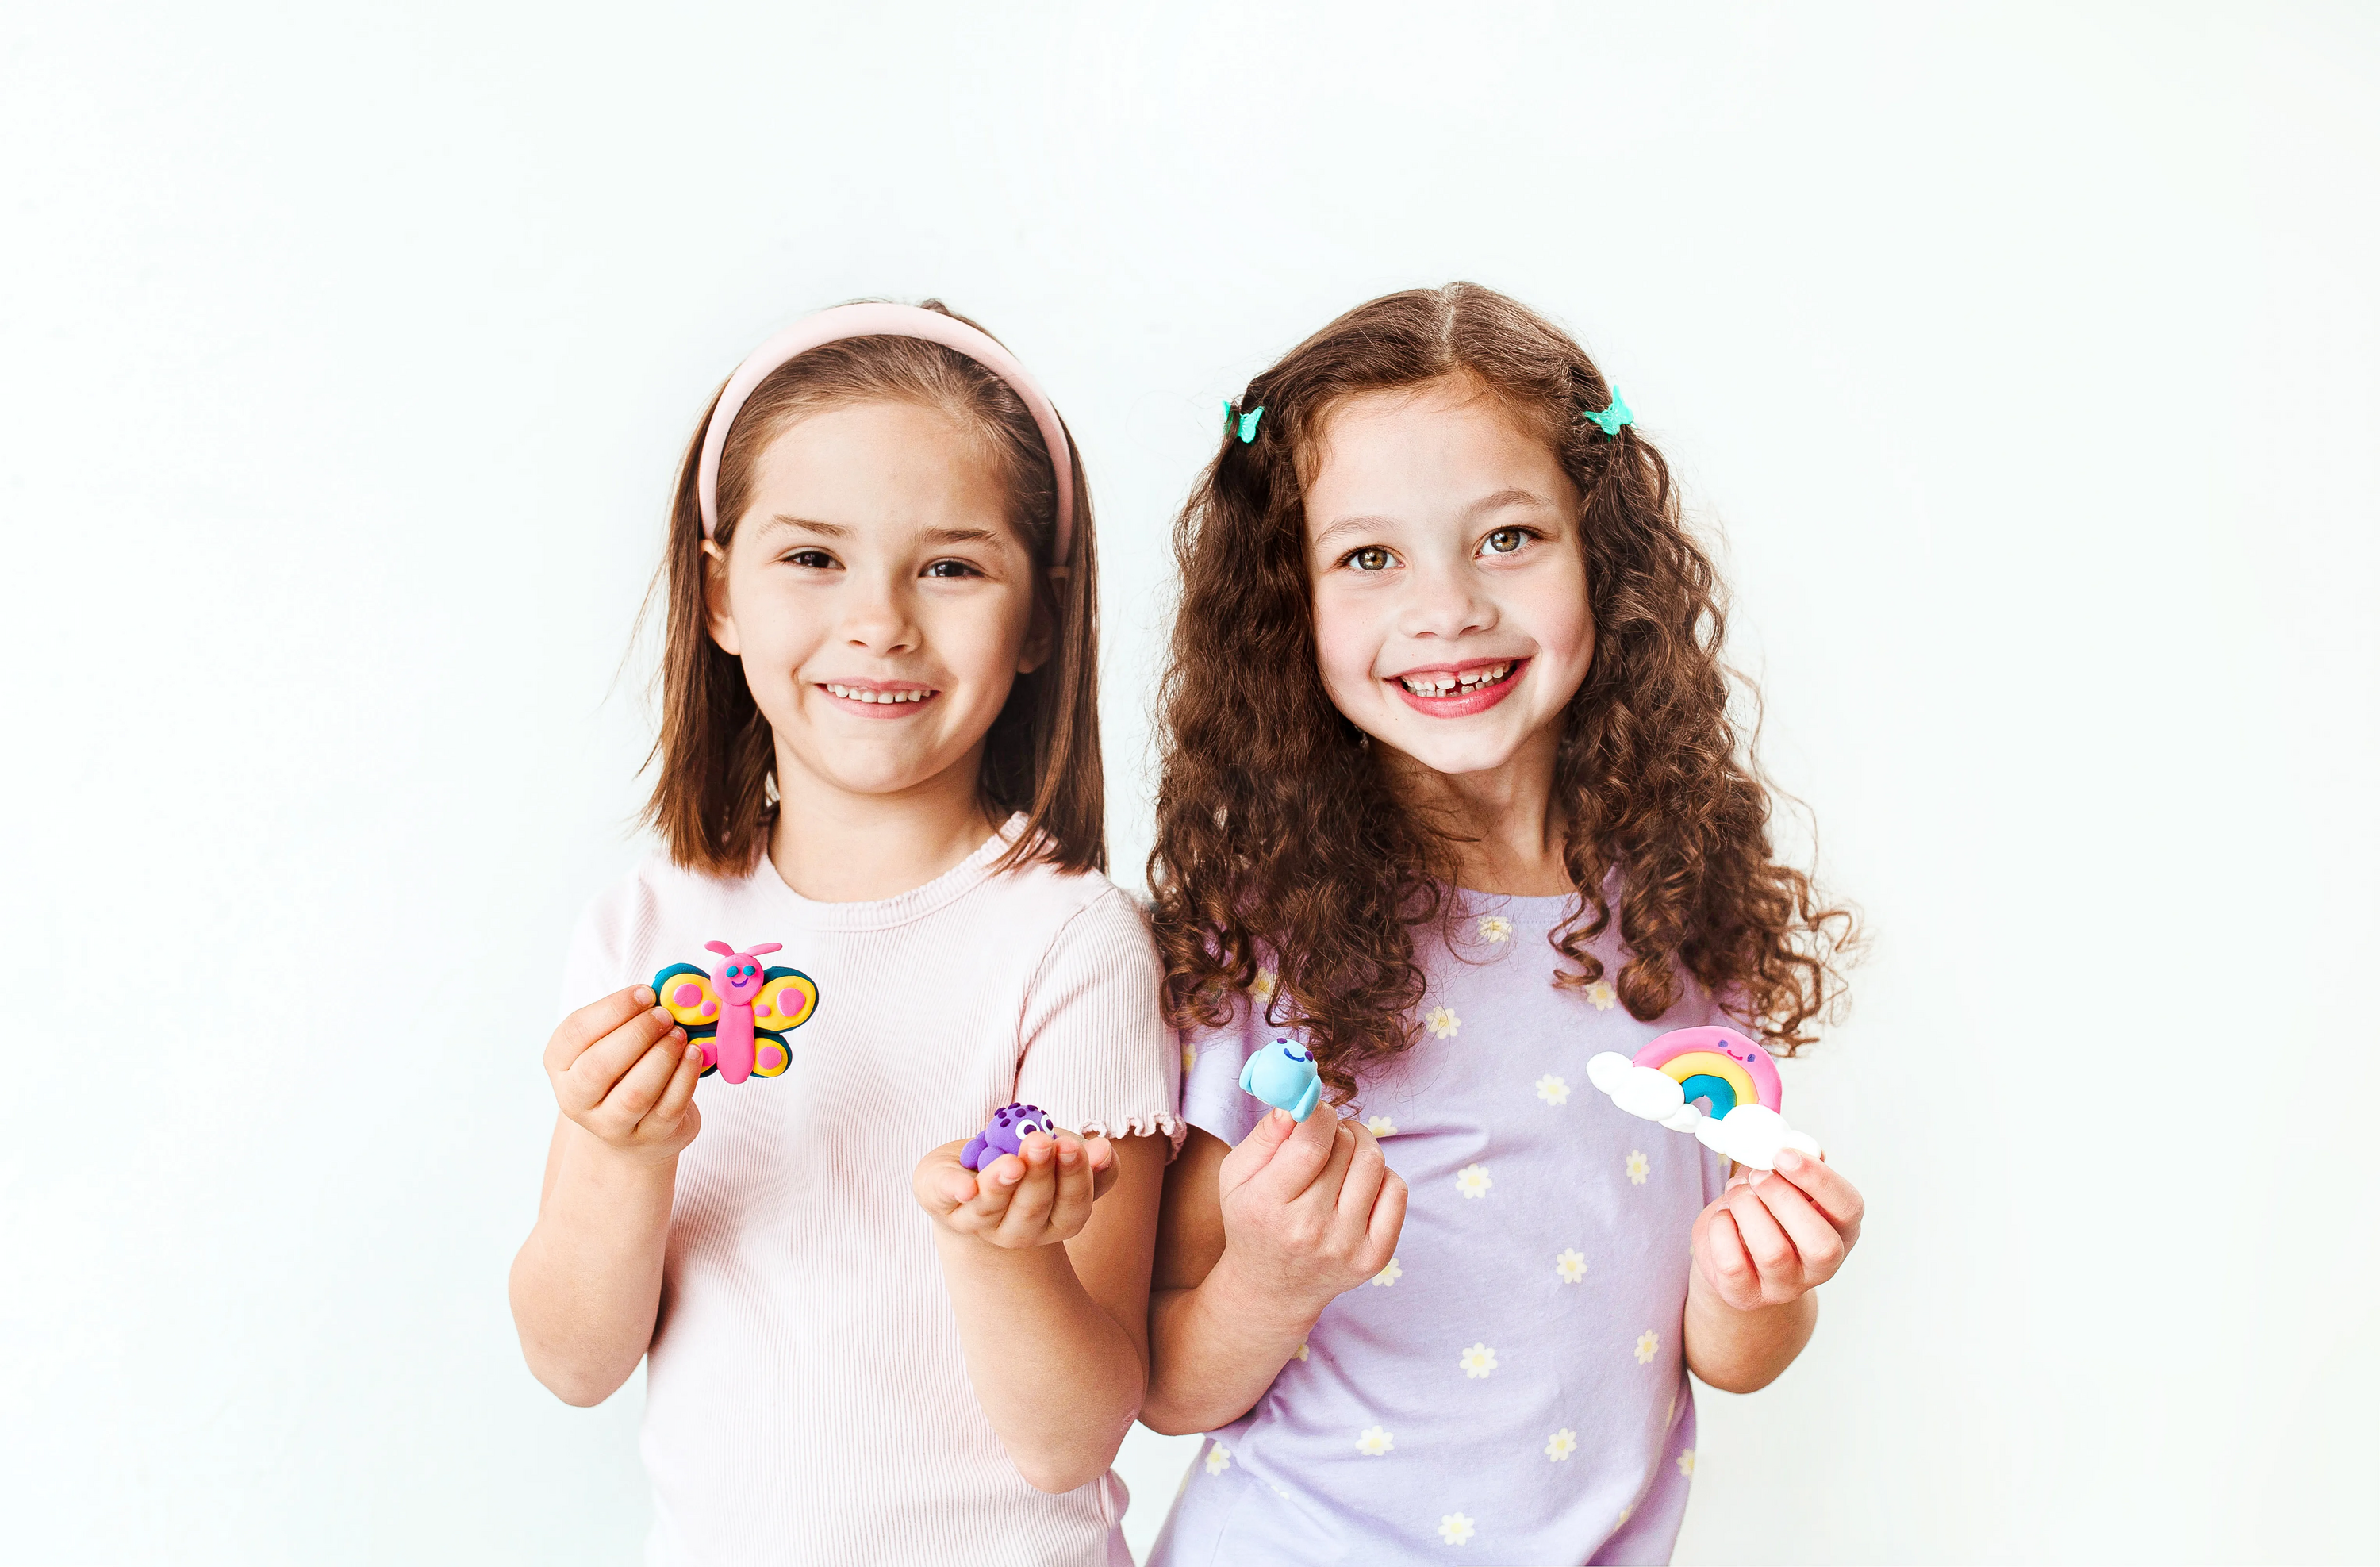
[1741,1352]
[1060,1378]
[1215,1348]
[585,1287]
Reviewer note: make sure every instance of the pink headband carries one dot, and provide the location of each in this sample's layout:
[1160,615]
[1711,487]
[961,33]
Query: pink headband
[882,320]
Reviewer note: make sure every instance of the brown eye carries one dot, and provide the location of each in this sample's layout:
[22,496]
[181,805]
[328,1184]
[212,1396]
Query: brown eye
[1504,541]
[1371,557]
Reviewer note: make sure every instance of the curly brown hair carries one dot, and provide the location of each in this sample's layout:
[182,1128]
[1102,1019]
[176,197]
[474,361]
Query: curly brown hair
[1278,835]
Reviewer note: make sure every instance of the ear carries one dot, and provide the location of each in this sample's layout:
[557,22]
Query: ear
[1042,636]
[714,600]
[721,948]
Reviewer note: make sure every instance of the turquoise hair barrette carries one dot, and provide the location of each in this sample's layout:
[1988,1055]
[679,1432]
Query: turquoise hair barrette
[1612,418]
[1245,423]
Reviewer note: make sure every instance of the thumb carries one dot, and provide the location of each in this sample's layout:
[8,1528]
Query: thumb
[1256,1149]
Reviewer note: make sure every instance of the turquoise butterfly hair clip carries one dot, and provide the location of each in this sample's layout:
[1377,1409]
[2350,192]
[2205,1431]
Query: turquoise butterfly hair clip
[1612,418]
[1245,424]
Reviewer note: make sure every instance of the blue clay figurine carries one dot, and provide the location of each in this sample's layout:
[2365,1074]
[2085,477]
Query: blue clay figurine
[1284,1077]
[1006,1134]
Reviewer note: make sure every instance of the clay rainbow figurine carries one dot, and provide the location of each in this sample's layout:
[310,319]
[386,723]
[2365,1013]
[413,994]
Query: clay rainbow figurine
[1284,1077]
[738,1012]
[1004,1133]
[1712,1082]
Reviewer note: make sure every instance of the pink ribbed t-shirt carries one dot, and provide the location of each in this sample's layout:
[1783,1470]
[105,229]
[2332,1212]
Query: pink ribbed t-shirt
[806,1400]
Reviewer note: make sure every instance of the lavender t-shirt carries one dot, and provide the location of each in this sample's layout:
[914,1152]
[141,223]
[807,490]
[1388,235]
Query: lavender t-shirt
[1511,1389]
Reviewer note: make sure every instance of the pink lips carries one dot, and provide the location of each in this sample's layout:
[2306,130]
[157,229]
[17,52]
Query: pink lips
[1463,705]
[879,709]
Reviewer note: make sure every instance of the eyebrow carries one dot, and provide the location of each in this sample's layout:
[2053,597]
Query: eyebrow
[1480,508]
[837,531]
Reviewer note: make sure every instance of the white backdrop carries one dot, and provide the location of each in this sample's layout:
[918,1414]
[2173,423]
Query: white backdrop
[2020,360]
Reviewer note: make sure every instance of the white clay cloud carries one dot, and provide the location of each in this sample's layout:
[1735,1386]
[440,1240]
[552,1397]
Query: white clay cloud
[1751,1135]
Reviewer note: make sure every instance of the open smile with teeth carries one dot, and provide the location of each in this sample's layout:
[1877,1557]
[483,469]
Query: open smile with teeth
[861,694]
[1446,684]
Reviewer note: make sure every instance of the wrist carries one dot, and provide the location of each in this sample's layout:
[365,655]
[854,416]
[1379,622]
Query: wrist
[632,1165]
[1261,1299]
[984,1257]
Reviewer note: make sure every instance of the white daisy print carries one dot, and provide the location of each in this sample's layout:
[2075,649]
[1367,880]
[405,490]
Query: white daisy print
[1561,1444]
[1495,928]
[1380,1126]
[1456,1529]
[1477,1361]
[1390,1274]
[1375,1442]
[1442,1022]
[1552,1090]
[1472,1181]
[1266,981]
[1638,1167]
[1687,1463]
[1602,995]
[1570,1265]
[1218,1458]
[1648,1344]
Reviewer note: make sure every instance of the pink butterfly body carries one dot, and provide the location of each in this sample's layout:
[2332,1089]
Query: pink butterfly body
[738,981]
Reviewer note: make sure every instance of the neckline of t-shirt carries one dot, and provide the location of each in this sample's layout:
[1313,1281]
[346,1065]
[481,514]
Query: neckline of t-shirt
[1472,900]
[901,908]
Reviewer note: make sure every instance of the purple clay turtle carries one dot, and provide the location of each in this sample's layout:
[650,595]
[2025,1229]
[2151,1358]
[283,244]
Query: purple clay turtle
[1005,1133]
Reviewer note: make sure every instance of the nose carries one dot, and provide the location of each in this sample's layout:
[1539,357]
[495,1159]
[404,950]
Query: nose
[1443,600]
[878,613]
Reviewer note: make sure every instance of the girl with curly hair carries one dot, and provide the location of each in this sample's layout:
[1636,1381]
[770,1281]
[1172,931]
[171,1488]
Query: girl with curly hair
[1452,801]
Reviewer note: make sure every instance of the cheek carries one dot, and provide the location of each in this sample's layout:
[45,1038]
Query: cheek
[1348,634]
[980,641]
[1552,608]
[776,625]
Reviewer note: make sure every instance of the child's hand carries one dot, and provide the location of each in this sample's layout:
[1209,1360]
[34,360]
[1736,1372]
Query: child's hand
[624,1071]
[1311,1207]
[1018,1202]
[1770,1239]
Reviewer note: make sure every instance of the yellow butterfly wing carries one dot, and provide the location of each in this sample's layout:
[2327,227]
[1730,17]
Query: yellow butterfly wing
[787,1001]
[688,993]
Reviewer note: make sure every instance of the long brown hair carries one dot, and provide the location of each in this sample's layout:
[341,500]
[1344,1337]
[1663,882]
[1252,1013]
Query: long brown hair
[1278,838]
[714,799]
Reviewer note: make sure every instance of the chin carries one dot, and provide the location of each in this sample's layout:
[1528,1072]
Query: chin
[1457,754]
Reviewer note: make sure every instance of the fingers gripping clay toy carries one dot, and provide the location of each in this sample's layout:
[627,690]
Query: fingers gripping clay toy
[739,1013]
[1005,1133]
[1284,1077]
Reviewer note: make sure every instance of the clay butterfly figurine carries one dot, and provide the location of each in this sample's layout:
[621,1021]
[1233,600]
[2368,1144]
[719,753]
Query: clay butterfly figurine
[1005,1133]
[739,1013]
[1283,1077]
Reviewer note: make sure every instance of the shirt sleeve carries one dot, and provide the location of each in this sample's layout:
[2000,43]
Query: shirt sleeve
[1098,1053]
[1212,1100]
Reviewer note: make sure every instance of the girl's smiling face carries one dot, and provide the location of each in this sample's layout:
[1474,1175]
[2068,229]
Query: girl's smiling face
[1450,583]
[879,598]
